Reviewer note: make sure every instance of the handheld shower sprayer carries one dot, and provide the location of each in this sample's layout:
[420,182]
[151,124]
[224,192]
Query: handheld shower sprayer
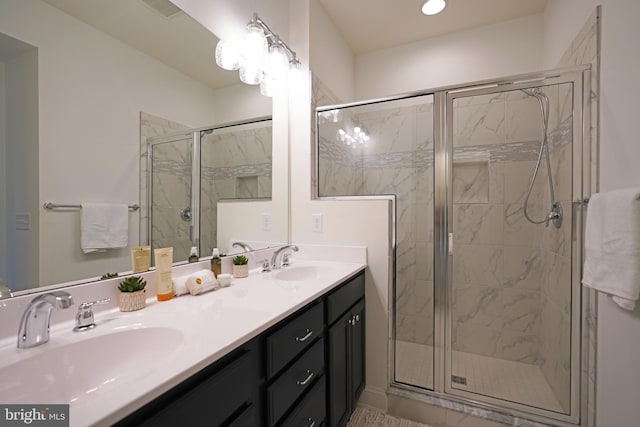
[555,212]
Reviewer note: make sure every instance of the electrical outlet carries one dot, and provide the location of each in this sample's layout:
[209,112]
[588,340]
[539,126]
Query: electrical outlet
[316,222]
[23,221]
[265,222]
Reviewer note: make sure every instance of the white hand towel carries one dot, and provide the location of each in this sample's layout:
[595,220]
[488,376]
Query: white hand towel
[612,245]
[103,226]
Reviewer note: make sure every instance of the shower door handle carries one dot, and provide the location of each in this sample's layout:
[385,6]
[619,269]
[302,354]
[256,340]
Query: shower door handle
[450,244]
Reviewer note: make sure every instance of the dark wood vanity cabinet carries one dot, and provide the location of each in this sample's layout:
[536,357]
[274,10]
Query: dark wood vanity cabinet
[226,393]
[308,369]
[345,351]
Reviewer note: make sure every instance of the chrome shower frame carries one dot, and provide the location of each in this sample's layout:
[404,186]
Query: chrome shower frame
[582,301]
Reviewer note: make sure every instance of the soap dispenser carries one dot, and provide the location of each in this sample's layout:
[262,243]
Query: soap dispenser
[193,257]
[5,292]
[216,262]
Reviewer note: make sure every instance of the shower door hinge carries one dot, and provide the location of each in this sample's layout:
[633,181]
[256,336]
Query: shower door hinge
[450,244]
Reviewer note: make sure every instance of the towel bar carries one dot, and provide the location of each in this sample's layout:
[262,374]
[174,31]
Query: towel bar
[583,201]
[50,206]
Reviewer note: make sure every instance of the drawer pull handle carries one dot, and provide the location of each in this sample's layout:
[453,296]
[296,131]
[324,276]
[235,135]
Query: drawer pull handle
[308,332]
[313,423]
[310,376]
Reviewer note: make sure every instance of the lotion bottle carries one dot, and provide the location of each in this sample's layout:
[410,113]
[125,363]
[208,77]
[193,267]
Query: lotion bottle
[216,263]
[164,259]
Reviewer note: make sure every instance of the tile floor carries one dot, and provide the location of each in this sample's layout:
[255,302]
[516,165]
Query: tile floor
[502,379]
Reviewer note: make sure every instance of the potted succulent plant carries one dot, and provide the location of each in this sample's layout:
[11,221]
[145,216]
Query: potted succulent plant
[132,293]
[240,266]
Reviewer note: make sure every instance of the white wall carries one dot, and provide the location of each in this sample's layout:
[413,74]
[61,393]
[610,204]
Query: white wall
[91,91]
[331,58]
[492,51]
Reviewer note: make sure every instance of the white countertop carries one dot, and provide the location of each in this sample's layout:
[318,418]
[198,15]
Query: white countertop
[198,330]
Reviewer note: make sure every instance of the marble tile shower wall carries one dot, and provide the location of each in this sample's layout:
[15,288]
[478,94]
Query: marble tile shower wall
[235,164]
[171,186]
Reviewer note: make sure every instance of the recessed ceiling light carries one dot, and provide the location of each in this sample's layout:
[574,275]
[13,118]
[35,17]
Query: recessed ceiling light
[433,7]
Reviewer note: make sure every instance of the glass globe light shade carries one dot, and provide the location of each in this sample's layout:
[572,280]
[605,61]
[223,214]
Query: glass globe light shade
[433,7]
[227,57]
[268,85]
[251,73]
[278,62]
[255,45]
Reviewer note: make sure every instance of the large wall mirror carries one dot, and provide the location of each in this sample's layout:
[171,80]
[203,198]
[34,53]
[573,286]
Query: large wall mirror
[83,85]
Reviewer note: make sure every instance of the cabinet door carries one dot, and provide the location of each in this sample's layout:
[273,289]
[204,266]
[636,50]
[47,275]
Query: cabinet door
[358,367]
[338,372]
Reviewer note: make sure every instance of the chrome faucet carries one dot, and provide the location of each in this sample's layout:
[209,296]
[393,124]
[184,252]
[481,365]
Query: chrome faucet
[245,247]
[275,263]
[34,325]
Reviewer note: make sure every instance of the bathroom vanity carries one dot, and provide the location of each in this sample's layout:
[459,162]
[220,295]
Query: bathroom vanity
[276,348]
[308,369]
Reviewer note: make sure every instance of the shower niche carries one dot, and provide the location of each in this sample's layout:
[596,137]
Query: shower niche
[486,299]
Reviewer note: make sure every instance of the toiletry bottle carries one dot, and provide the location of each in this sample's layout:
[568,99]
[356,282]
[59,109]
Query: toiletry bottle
[164,259]
[216,264]
[194,254]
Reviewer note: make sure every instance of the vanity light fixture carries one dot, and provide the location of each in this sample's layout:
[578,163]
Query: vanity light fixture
[433,7]
[359,137]
[263,59]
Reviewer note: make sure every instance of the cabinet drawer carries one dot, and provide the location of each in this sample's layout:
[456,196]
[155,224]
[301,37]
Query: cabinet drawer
[295,381]
[311,410]
[246,419]
[341,299]
[228,391]
[292,338]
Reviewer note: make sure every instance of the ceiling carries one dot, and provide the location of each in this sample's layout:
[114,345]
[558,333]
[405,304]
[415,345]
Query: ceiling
[366,25]
[135,23]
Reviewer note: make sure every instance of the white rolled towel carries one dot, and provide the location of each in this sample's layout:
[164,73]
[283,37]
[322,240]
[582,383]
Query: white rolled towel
[201,281]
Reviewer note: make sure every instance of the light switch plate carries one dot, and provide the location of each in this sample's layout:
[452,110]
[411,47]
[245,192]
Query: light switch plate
[316,222]
[265,222]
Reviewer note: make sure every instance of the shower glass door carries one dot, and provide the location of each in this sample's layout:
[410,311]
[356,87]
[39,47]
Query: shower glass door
[386,149]
[170,178]
[510,256]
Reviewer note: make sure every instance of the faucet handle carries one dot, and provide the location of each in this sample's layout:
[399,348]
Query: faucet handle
[88,304]
[266,265]
[84,317]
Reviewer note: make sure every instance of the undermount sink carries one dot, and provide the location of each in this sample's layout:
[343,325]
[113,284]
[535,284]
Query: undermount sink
[294,274]
[75,371]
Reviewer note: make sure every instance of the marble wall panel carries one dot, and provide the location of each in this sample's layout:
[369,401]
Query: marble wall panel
[479,123]
[517,129]
[478,224]
[470,182]
[478,305]
[479,265]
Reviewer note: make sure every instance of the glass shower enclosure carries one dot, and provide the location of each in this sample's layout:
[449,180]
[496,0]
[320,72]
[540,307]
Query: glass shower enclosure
[485,178]
[189,172]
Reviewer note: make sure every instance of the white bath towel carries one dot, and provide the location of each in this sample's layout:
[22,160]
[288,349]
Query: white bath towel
[103,226]
[612,245]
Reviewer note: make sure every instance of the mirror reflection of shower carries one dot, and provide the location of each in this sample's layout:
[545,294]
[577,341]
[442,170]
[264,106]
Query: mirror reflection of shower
[555,212]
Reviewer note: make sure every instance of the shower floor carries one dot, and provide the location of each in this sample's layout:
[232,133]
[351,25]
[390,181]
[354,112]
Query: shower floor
[502,379]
